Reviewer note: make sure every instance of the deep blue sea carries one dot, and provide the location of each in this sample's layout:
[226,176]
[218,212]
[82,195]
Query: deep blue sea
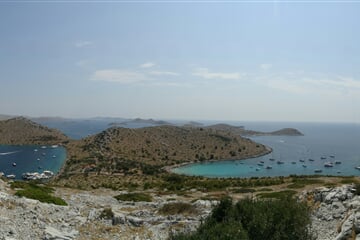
[332,142]
[30,158]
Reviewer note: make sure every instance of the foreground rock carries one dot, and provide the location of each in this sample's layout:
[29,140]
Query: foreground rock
[22,218]
[336,214]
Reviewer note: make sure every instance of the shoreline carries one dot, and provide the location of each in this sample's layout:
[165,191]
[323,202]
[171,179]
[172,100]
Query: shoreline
[170,168]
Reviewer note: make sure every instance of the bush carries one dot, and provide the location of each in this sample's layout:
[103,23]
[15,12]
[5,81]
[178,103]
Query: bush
[178,208]
[282,219]
[134,197]
[41,193]
[107,213]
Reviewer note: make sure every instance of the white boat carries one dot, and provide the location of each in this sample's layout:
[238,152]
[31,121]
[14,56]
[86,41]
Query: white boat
[54,146]
[54,156]
[14,164]
[328,164]
[11,176]
[43,147]
[358,167]
[35,150]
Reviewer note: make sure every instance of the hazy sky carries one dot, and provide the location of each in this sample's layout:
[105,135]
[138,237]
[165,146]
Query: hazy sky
[220,61]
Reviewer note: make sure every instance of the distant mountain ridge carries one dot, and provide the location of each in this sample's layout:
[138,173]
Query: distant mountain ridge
[140,121]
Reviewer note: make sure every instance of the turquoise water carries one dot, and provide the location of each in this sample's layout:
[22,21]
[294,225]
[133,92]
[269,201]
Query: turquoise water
[27,159]
[342,141]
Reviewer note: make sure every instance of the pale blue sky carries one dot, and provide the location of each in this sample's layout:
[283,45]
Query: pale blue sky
[264,61]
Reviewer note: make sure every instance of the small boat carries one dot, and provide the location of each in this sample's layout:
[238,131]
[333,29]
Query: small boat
[14,164]
[39,167]
[268,167]
[304,165]
[43,147]
[338,171]
[43,154]
[337,162]
[318,170]
[323,158]
[311,160]
[11,176]
[35,150]
[54,146]
[328,164]
[280,162]
[301,160]
[272,159]
[257,169]
[38,159]
[358,167]
[54,156]
[293,162]
[260,164]
[332,156]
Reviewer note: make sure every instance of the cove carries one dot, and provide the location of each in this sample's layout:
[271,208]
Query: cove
[30,158]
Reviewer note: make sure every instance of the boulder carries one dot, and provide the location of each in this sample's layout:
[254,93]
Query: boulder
[54,234]
[137,222]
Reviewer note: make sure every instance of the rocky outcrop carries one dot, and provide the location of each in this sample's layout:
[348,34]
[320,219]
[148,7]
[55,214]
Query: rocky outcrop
[336,214]
[22,218]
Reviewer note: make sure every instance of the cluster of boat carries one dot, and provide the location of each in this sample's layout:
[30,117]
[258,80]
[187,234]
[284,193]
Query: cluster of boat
[326,164]
[37,176]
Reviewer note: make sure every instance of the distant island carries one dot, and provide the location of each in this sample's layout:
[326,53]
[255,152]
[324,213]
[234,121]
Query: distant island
[140,121]
[240,130]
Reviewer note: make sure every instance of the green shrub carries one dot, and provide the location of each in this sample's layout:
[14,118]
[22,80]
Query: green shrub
[41,193]
[178,208]
[107,213]
[134,197]
[283,219]
[296,185]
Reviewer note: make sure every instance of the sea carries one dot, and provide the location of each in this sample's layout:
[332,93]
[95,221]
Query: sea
[322,143]
[16,160]
[300,155]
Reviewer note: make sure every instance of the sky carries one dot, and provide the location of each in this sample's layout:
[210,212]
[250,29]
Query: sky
[197,60]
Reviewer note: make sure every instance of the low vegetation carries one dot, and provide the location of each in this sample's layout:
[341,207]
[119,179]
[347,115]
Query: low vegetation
[107,213]
[255,220]
[278,195]
[134,197]
[37,192]
[178,208]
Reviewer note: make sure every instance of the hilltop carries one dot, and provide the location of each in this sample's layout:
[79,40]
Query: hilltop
[140,121]
[21,131]
[145,151]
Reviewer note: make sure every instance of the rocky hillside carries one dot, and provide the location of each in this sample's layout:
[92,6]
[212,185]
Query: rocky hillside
[94,215]
[119,149]
[20,131]
[336,212]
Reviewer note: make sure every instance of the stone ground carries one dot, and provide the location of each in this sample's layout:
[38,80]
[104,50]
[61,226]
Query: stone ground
[336,215]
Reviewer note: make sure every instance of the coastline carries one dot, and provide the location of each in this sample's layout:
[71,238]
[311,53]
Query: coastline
[170,168]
